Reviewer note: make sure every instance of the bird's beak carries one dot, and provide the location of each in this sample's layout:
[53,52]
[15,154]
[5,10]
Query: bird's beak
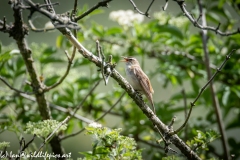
[125,59]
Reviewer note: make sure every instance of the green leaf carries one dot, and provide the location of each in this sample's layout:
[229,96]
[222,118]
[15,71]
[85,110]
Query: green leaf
[211,16]
[51,59]
[51,80]
[225,97]
[59,41]
[174,31]
[5,56]
[233,124]
[101,150]
[96,11]
[49,51]
[113,31]
[98,30]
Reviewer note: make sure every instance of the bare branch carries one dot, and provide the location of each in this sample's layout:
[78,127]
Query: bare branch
[125,85]
[108,111]
[4,27]
[203,27]
[74,11]
[102,57]
[185,113]
[165,6]
[103,3]
[138,10]
[214,97]
[149,143]
[186,150]
[201,91]
[12,88]
[59,21]
[23,146]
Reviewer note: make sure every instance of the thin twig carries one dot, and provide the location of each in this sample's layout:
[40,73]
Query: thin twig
[46,5]
[58,21]
[5,28]
[12,88]
[138,10]
[213,94]
[101,117]
[185,113]
[70,59]
[149,143]
[74,11]
[203,27]
[166,148]
[85,98]
[102,57]
[52,134]
[49,6]
[165,6]
[72,135]
[23,146]
[201,91]
[170,126]
[100,4]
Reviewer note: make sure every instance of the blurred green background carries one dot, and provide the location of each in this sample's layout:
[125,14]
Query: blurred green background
[164,91]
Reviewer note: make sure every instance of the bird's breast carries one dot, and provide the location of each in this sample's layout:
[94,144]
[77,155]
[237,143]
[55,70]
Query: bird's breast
[132,78]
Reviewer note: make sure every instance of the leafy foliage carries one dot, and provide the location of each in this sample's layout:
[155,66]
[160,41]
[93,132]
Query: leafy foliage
[45,128]
[109,144]
[202,139]
[4,145]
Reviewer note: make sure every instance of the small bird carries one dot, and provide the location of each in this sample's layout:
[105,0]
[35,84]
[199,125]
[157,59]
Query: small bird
[138,79]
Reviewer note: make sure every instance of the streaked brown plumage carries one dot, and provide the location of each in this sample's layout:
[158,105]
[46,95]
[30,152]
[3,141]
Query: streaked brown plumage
[138,79]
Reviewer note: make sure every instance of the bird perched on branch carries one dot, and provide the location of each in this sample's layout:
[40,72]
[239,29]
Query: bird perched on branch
[138,79]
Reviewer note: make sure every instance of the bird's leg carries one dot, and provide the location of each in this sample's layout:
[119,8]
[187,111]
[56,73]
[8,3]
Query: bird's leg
[139,94]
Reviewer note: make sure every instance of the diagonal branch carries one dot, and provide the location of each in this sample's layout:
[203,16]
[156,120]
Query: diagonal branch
[201,91]
[131,92]
[186,150]
[85,98]
[103,3]
[165,6]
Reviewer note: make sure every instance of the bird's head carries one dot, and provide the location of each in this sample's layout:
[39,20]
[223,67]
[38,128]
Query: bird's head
[130,61]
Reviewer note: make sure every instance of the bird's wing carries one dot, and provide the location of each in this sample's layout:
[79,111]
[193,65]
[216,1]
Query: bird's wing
[143,80]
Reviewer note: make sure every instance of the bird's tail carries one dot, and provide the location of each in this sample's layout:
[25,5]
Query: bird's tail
[151,101]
